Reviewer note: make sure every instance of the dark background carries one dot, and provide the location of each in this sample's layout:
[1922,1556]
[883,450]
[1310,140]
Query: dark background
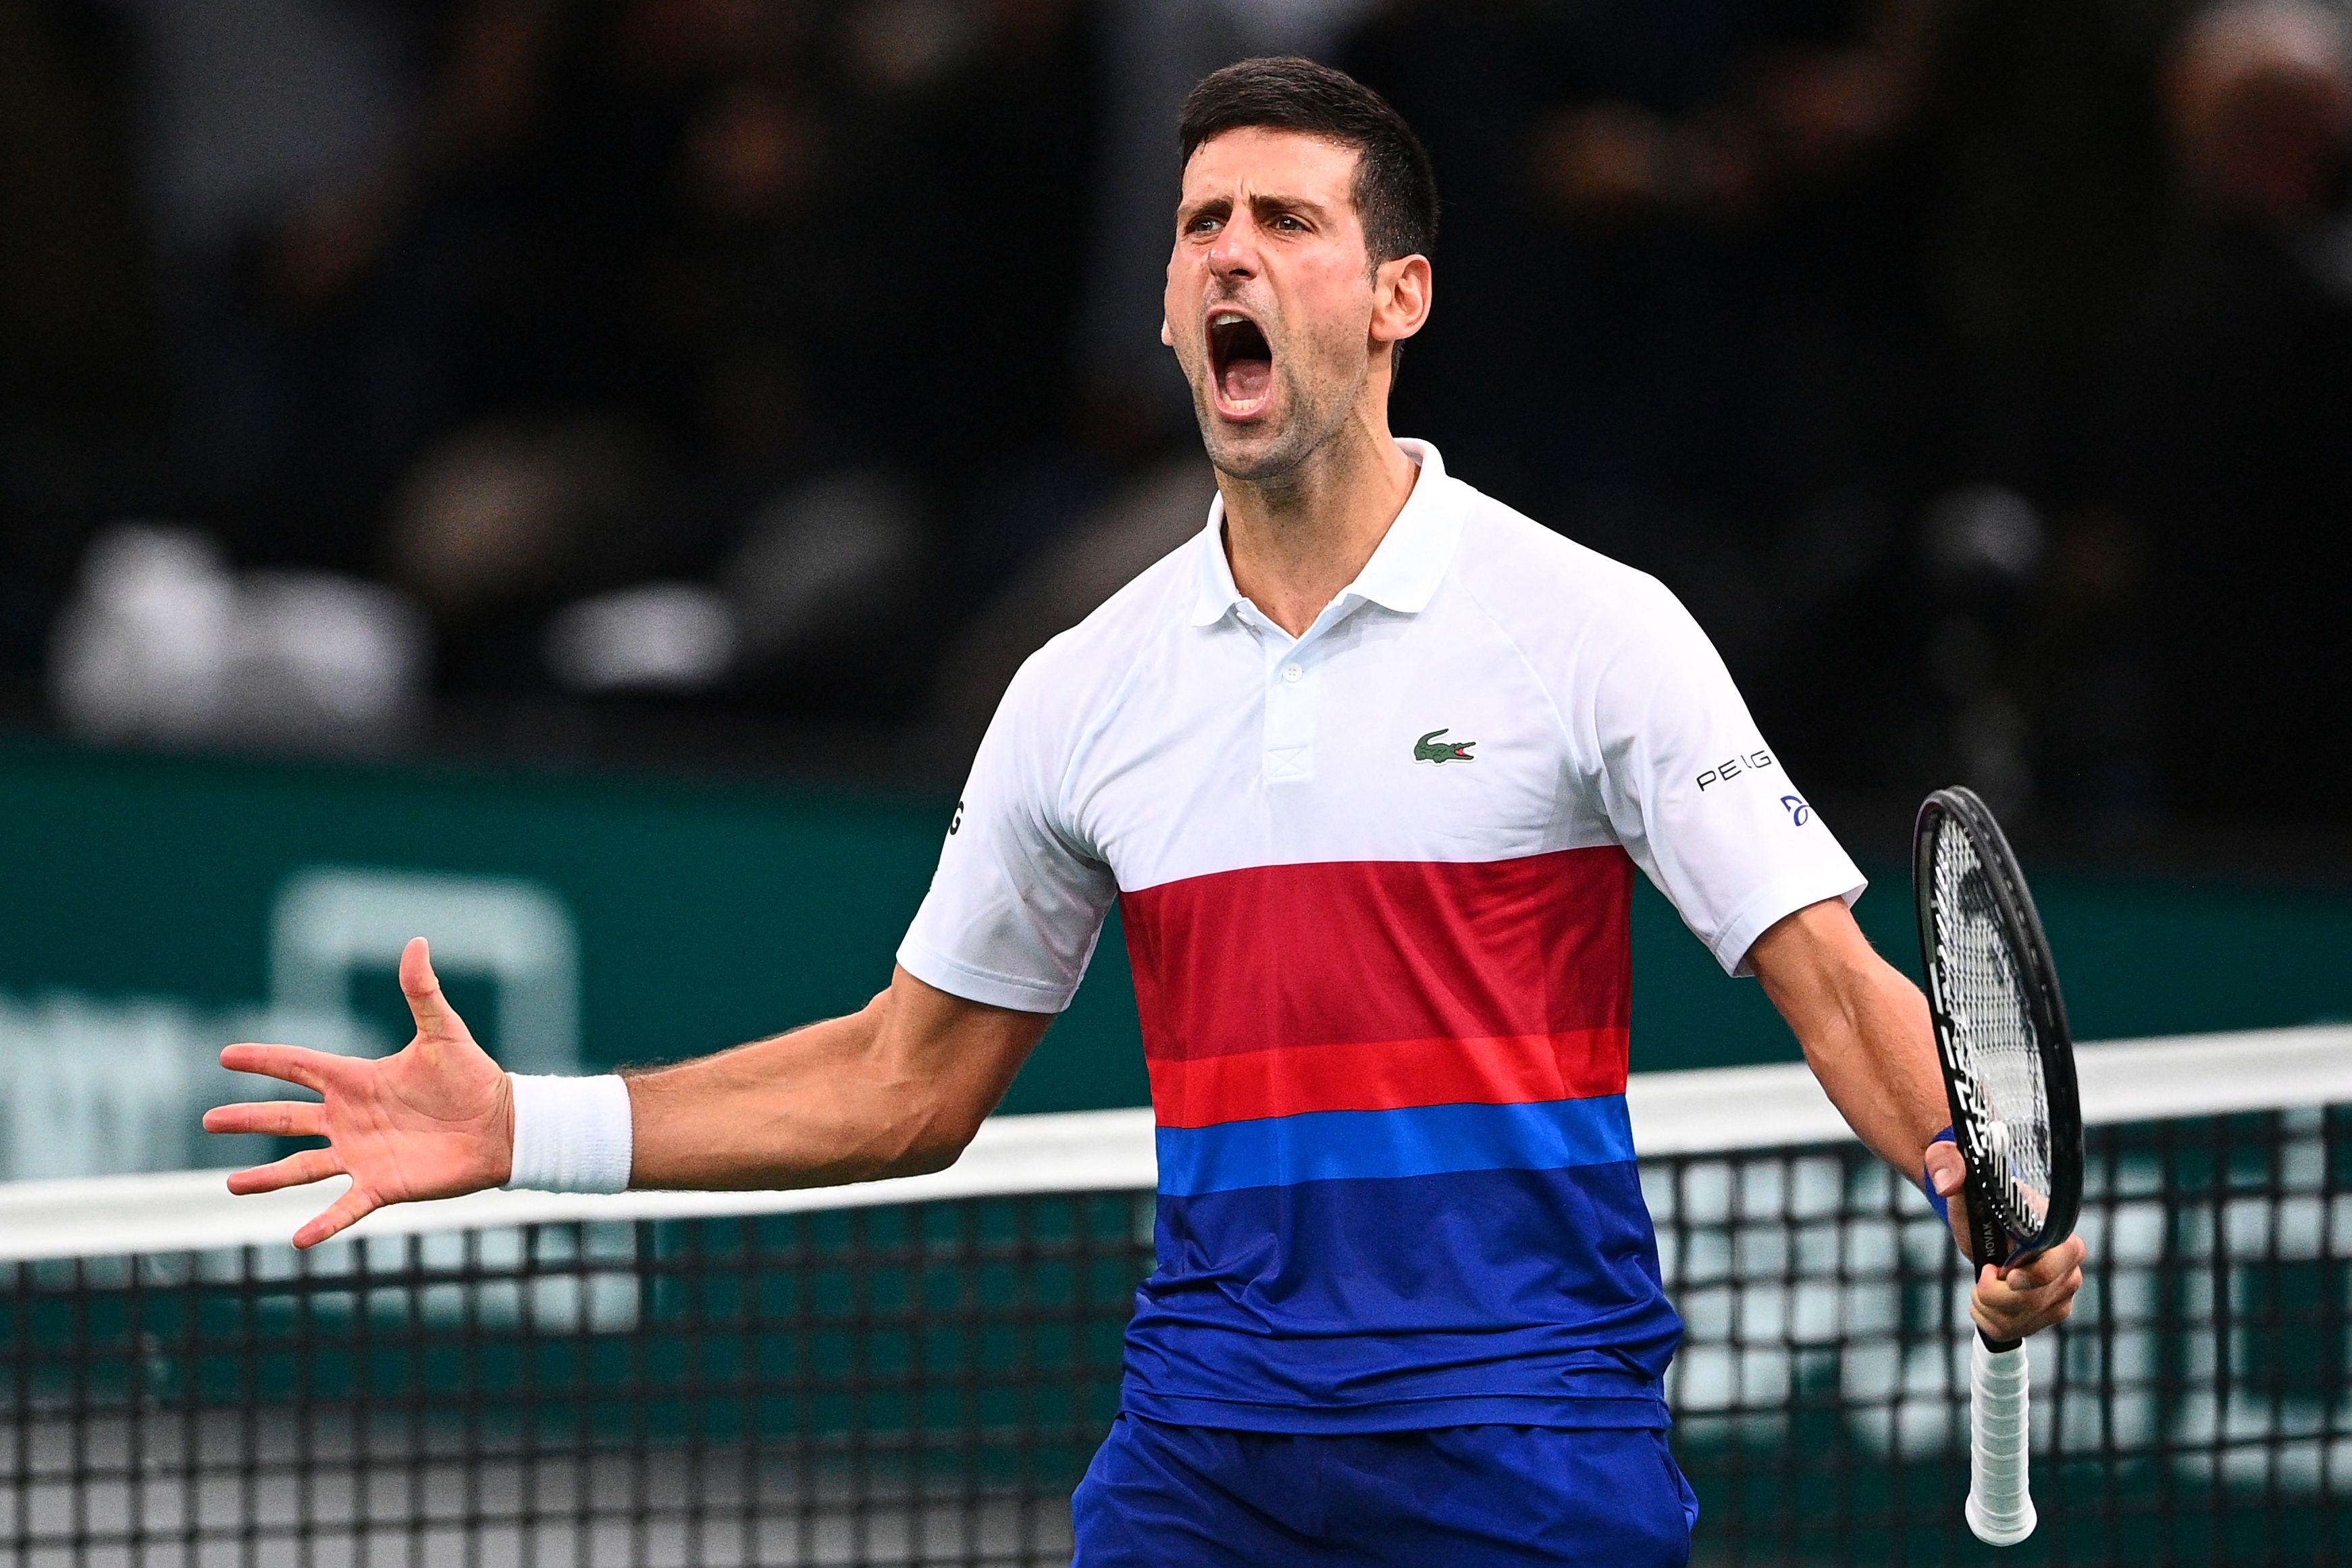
[750,384]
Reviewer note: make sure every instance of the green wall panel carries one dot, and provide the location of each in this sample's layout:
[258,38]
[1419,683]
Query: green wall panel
[706,914]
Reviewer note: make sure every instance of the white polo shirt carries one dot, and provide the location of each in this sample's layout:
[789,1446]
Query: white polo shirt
[1376,883]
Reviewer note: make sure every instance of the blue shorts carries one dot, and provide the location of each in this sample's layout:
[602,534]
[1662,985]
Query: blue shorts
[1457,1497]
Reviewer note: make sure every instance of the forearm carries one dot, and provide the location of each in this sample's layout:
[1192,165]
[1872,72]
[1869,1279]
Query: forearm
[896,1088]
[1877,1063]
[1865,1029]
[798,1109]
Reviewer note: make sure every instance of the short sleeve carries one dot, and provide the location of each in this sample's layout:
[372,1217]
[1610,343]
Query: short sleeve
[1017,904]
[1701,802]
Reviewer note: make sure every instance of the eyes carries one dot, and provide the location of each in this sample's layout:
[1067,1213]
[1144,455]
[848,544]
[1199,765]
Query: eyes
[1206,224]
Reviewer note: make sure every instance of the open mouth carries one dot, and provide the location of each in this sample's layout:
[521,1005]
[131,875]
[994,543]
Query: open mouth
[1242,361]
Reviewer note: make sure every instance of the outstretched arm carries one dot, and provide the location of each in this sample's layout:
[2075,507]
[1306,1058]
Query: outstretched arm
[1866,1034]
[897,1088]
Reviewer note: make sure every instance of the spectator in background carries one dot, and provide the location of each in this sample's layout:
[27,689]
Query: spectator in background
[77,379]
[274,140]
[2048,196]
[612,177]
[723,236]
[999,137]
[2232,446]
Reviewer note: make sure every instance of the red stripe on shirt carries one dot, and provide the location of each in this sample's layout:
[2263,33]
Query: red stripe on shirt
[1357,954]
[1389,1075]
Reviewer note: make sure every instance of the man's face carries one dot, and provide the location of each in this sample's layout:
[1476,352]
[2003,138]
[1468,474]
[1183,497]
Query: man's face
[1271,297]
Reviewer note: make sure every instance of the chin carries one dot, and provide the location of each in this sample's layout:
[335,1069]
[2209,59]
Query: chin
[1252,453]
[1265,448]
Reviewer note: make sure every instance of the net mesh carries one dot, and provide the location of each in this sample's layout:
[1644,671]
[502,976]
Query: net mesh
[1975,979]
[924,1383]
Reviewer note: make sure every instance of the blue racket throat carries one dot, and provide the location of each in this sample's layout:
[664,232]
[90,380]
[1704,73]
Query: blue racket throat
[1942,1204]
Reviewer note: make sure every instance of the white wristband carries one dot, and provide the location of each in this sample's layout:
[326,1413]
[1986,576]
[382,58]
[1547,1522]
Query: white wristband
[570,1134]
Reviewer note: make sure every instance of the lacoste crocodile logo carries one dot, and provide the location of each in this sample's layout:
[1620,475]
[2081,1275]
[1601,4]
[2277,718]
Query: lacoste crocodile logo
[1430,749]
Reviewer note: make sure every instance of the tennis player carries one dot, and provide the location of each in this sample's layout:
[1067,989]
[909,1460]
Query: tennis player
[1369,765]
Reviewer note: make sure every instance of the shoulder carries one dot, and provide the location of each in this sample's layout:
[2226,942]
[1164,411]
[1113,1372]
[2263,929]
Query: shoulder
[1561,602]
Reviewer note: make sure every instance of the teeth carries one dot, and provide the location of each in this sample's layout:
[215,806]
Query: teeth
[1227,318]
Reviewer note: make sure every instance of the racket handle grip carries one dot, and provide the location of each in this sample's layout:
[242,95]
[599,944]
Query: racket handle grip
[2000,1508]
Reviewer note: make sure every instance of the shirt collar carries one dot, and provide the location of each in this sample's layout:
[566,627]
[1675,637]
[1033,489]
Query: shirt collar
[1403,572]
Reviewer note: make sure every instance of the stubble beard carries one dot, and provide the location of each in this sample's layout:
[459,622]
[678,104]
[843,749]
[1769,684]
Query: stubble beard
[1277,450]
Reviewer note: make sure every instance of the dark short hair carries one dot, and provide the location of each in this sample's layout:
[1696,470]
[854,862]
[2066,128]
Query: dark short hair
[1395,190]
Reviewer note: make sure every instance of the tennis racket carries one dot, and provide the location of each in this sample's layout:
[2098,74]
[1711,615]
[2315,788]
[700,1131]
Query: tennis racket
[2009,1071]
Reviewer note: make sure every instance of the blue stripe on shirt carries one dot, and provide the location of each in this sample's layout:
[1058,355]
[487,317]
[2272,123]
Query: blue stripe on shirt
[1423,1141]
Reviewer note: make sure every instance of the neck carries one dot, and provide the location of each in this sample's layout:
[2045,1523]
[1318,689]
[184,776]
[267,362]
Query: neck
[1295,542]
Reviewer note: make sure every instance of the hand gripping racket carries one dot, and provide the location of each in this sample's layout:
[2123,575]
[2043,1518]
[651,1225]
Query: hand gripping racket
[2009,1070]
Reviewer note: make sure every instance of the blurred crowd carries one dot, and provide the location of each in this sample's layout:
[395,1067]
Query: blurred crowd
[1979,371]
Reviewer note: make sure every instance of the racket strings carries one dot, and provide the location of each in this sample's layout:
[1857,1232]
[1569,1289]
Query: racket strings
[1993,1034]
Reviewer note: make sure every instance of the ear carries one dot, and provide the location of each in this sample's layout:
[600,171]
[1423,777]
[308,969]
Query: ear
[1401,299]
[1167,333]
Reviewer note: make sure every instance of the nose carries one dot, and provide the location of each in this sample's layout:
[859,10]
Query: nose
[1235,254]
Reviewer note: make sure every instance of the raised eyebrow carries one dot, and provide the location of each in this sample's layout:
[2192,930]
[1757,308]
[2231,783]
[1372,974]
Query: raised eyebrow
[1267,206]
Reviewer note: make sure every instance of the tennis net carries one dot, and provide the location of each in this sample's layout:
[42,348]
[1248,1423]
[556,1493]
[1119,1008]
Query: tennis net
[916,1371]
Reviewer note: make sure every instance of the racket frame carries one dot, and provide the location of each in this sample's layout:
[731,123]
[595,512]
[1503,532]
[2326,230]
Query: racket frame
[1992,1239]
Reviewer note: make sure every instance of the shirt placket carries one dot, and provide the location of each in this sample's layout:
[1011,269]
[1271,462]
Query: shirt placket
[1294,683]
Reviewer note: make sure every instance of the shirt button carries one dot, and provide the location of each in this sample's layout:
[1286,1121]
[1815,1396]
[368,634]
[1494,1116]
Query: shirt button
[1291,674]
